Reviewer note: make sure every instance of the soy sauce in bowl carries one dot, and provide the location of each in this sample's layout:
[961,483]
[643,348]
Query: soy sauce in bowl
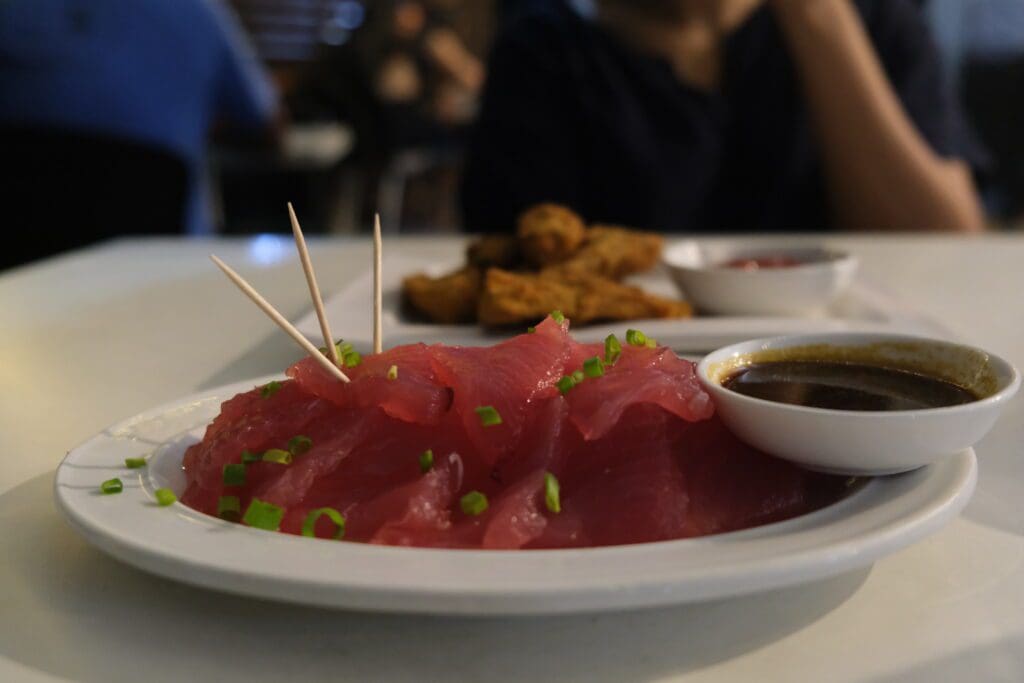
[845,386]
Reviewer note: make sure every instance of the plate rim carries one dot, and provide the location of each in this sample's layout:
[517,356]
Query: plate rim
[955,480]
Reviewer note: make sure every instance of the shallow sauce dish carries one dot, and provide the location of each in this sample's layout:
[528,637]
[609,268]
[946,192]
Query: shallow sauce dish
[862,442]
[710,282]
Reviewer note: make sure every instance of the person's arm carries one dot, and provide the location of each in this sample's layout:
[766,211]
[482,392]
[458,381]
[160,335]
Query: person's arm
[882,173]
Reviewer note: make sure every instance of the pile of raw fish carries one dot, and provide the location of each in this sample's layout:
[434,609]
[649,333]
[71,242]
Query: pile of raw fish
[634,447]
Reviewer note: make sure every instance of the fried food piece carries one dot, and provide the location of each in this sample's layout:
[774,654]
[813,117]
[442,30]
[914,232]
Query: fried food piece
[549,233]
[494,251]
[449,299]
[614,252]
[520,298]
[523,298]
[598,298]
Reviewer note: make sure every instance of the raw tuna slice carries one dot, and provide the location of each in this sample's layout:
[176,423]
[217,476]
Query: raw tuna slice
[510,377]
[518,516]
[417,513]
[249,421]
[640,376]
[732,486]
[414,395]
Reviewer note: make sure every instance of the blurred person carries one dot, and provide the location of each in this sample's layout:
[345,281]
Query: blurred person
[983,42]
[106,109]
[723,116]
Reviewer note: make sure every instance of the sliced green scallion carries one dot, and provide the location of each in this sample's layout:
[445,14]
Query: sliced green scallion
[111,486]
[164,497]
[488,415]
[262,515]
[281,457]
[552,498]
[352,359]
[248,457]
[593,367]
[234,474]
[297,445]
[473,503]
[531,329]
[558,316]
[577,376]
[309,524]
[565,385]
[612,349]
[393,372]
[636,338]
[134,463]
[229,508]
[426,460]
[270,388]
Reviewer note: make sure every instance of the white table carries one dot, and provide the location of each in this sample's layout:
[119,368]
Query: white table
[99,335]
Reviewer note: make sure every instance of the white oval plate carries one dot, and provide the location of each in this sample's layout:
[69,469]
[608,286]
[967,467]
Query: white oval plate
[179,543]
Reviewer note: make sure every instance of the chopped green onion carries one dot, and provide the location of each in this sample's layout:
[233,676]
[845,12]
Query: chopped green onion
[593,367]
[248,457]
[111,486]
[565,384]
[488,416]
[393,372]
[552,499]
[652,343]
[297,445]
[636,338]
[263,515]
[577,376]
[281,457]
[234,474]
[473,503]
[164,497]
[612,349]
[309,524]
[558,316]
[270,388]
[426,460]
[134,463]
[531,329]
[341,346]
[229,508]
[352,359]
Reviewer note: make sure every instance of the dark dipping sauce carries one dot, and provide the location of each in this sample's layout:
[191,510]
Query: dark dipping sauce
[845,386]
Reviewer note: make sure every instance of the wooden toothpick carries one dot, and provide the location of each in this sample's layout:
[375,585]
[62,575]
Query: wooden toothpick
[378,336]
[314,290]
[274,315]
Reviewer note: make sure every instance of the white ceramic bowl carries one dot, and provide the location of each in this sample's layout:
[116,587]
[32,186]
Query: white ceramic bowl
[859,442]
[699,271]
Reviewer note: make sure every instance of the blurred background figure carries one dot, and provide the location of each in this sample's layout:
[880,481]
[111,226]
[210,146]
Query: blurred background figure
[407,77]
[983,46]
[724,116]
[157,116]
[105,113]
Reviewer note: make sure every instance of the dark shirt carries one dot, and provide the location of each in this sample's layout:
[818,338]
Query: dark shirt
[573,115]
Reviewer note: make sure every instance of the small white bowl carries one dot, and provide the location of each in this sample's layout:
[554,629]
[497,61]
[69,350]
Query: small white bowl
[700,272]
[862,442]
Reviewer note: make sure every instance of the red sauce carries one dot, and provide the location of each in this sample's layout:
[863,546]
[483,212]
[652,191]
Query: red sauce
[758,262]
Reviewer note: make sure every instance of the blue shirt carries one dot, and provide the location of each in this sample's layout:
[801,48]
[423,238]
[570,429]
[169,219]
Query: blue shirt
[158,72]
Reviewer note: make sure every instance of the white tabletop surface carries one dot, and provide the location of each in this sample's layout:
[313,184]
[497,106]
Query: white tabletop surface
[99,335]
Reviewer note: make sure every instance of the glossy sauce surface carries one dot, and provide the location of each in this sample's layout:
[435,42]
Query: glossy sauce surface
[845,386]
